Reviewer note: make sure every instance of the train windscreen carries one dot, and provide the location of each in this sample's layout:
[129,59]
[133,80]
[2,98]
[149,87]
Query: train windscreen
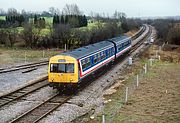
[62,68]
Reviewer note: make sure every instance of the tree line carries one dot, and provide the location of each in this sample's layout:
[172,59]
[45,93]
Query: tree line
[73,20]
[13,21]
[65,29]
[168,30]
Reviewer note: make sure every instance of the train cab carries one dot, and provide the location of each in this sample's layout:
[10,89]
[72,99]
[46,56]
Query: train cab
[63,70]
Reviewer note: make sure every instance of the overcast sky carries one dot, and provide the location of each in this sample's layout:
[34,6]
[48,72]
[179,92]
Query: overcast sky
[132,8]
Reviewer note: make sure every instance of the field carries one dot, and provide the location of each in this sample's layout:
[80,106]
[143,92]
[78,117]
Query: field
[13,56]
[2,17]
[155,100]
[49,21]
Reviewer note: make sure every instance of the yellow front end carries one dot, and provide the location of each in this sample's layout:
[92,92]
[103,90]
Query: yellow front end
[63,69]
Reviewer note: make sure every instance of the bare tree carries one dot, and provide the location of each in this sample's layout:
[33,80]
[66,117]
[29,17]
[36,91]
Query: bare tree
[8,36]
[12,35]
[71,9]
[12,11]
[61,34]
[4,36]
[30,34]
[23,12]
[54,11]
[2,12]
[116,14]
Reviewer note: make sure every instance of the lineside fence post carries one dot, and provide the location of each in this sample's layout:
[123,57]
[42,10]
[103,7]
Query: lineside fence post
[150,60]
[159,57]
[65,47]
[25,57]
[137,80]
[126,98]
[43,53]
[156,53]
[103,119]
[145,68]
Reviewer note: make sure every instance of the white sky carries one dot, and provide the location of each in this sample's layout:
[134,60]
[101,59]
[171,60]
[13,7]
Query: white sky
[133,8]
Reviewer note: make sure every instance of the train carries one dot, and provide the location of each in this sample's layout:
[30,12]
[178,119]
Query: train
[71,68]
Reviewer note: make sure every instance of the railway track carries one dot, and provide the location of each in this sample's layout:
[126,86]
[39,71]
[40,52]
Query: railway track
[136,35]
[25,66]
[134,47]
[42,110]
[21,92]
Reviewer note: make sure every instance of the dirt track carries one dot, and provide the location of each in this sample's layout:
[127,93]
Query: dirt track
[157,99]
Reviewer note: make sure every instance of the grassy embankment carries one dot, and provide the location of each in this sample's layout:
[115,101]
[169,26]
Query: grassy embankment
[155,100]
[15,56]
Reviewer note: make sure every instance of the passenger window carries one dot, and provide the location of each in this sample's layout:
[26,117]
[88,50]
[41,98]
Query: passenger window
[88,63]
[109,53]
[113,51]
[99,57]
[120,46]
[95,58]
[83,64]
[103,55]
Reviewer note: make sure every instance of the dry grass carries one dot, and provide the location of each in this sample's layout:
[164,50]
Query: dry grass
[155,100]
[14,56]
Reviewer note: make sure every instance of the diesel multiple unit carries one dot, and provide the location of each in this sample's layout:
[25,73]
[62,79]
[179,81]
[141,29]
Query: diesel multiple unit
[72,67]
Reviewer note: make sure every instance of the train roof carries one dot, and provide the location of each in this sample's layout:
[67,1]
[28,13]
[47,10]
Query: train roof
[119,39]
[92,48]
[89,49]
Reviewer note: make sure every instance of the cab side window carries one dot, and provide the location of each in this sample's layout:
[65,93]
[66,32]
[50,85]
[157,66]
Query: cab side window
[54,68]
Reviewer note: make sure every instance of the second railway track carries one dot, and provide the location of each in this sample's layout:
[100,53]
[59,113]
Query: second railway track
[25,66]
[43,109]
[23,91]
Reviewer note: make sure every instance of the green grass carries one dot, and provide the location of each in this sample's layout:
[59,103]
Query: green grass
[2,17]
[92,26]
[49,20]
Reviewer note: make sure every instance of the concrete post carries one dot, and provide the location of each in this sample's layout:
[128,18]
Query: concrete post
[126,98]
[137,80]
[103,119]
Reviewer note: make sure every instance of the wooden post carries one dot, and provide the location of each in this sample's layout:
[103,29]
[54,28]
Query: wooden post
[43,53]
[25,57]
